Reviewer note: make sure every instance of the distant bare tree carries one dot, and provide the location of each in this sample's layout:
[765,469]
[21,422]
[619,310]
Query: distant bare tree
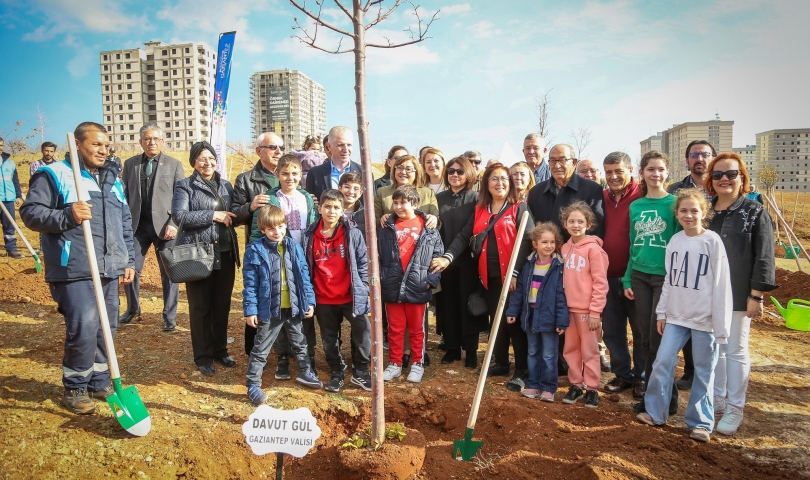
[543,108]
[241,150]
[581,138]
[418,33]
[42,122]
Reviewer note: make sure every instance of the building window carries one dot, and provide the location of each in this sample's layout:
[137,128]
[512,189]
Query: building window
[129,96]
[188,92]
[121,118]
[188,81]
[131,116]
[166,104]
[164,52]
[105,57]
[190,113]
[166,94]
[118,56]
[108,118]
[132,138]
[176,103]
[108,108]
[174,82]
[176,124]
[131,127]
[105,68]
[174,51]
[168,124]
[128,66]
[106,88]
[174,61]
[188,60]
[129,86]
[174,72]
[165,73]
[188,102]
[177,134]
[167,114]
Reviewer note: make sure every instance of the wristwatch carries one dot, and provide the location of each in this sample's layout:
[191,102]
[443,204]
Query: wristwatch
[756,299]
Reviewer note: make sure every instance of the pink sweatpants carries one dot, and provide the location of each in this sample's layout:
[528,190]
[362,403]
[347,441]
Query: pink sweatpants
[582,348]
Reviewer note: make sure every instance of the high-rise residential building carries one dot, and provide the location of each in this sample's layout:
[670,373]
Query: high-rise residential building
[652,143]
[288,103]
[675,140]
[749,156]
[170,85]
[787,150]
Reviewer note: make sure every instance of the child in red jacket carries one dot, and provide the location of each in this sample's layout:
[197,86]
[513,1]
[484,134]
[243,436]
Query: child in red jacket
[586,288]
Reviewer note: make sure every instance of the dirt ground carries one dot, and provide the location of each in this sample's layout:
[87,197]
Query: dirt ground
[197,420]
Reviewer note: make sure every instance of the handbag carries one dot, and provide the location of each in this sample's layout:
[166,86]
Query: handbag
[477,303]
[477,241]
[189,262]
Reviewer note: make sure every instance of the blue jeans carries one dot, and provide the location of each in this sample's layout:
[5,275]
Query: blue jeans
[542,358]
[266,334]
[9,234]
[700,410]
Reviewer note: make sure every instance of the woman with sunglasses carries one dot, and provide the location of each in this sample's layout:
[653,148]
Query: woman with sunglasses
[498,195]
[747,233]
[459,280]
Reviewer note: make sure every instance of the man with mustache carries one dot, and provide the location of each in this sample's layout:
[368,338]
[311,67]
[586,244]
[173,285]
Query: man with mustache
[698,155]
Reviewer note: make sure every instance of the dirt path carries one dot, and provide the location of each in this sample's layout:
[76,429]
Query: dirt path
[197,421]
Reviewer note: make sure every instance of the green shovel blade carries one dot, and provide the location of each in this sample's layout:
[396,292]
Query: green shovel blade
[129,410]
[467,448]
[37,263]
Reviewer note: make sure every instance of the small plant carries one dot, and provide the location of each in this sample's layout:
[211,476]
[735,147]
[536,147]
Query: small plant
[397,431]
[358,440]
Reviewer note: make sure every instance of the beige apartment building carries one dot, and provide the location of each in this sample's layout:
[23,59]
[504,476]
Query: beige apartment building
[171,85]
[288,103]
[674,141]
[789,151]
[652,143]
[749,156]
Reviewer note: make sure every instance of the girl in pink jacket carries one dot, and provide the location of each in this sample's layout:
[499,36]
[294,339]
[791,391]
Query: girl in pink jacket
[586,288]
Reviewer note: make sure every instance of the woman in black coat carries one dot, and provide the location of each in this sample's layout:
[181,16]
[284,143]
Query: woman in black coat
[460,279]
[202,202]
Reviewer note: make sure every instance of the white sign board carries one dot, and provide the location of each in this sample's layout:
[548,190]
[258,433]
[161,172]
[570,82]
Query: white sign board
[270,430]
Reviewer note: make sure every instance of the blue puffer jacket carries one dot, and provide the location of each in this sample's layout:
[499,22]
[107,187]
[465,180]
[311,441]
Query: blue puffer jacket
[261,275]
[358,262]
[415,284]
[194,199]
[48,210]
[550,311]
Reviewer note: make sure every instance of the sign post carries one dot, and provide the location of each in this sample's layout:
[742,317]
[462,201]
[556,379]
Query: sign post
[270,430]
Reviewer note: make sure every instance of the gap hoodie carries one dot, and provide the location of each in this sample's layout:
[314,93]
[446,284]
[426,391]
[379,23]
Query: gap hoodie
[585,276]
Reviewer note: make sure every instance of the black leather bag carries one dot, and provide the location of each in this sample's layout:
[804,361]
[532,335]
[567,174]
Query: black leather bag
[477,241]
[477,303]
[189,262]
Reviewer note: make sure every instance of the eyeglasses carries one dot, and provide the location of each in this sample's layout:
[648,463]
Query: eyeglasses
[273,147]
[531,149]
[455,171]
[730,174]
[558,161]
[498,179]
[151,139]
[402,168]
[705,155]
[475,162]
[588,170]
[520,175]
[204,160]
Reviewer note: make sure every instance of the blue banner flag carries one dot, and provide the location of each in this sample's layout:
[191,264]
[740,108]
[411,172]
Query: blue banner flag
[219,111]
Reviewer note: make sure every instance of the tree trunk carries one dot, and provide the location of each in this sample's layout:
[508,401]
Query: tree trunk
[376,366]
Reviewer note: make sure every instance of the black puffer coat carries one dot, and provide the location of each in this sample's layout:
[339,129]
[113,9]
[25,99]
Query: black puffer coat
[415,283]
[194,199]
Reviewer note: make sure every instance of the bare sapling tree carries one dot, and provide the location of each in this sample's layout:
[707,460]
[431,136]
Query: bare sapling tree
[543,108]
[361,21]
[42,123]
[581,138]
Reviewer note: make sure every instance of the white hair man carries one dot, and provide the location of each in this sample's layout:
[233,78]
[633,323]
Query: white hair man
[327,175]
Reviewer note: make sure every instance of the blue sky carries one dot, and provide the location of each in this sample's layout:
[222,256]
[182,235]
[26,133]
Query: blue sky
[624,69]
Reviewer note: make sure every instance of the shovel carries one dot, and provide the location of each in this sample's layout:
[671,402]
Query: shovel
[126,404]
[467,448]
[37,263]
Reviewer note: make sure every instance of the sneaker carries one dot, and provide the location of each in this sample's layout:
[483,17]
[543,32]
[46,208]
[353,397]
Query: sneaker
[103,393]
[591,399]
[283,368]
[547,397]
[256,395]
[362,380]
[604,362]
[685,382]
[530,392]
[617,385]
[415,375]
[731,421]
[309,379]
[391,372]
[518,381]
[334,384]
[498,371]
[645,418]
[719,406]
[78,401]
[701,435]
[574,394]
[15,254]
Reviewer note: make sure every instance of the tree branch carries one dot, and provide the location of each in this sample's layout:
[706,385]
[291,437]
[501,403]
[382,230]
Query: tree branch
[317,19]
[415,37]
[380,15]
[347,12]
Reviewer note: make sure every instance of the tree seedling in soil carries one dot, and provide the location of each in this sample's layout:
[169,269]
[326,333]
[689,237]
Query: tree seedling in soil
[397,431]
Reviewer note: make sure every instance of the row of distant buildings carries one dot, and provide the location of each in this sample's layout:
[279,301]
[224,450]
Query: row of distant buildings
[787,150]
[173,86]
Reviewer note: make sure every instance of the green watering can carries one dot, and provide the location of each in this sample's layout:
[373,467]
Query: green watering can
[796,315]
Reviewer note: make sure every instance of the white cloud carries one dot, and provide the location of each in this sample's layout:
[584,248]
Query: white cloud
[453,9]
[485,29]
[66,16]
[82,62]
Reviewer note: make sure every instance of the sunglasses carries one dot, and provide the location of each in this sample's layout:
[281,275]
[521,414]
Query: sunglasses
[730,174]
[273,147]
[457,171]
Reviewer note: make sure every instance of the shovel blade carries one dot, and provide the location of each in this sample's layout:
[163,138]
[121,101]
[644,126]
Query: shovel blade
[467,448]
[129,410]
[37,264]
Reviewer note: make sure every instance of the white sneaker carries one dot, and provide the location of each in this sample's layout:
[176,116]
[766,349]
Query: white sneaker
[719,406]
[416,372]
[391,372]
[731,421]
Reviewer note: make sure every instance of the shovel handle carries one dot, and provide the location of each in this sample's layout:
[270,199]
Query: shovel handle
[91,259]
[19,230]
[482,378]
